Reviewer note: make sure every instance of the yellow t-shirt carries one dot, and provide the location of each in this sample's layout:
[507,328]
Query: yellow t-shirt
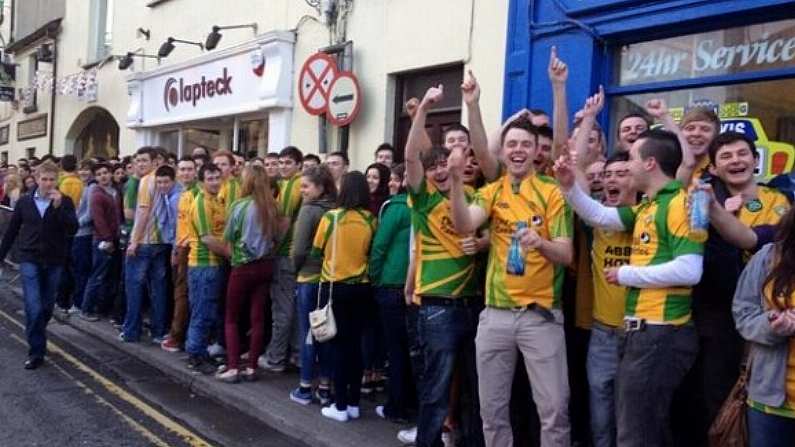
[289,203]
[660,233]
[229,192]
[183,215]
[767,209]
[609,249]
[347,262]
[540,203]
[71,186]
[701,167]
[146,197]
[442,267]
[207,218]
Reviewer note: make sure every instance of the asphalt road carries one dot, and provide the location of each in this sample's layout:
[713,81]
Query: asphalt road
[72,401]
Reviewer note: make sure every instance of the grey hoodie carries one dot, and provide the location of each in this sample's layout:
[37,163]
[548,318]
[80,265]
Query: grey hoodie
[769,351]
[304,234]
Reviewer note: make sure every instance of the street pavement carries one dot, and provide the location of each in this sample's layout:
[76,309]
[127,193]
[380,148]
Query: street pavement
[76,400]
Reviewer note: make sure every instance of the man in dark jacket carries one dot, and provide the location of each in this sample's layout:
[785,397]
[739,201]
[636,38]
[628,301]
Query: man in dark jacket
[43,220]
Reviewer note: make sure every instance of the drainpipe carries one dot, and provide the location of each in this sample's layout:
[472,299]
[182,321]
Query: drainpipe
[53,93]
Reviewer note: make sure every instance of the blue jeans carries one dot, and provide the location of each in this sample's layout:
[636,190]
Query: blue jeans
[447,334]
[602,367]
[81,266]
[768,430]
[146,268]
[307,302]
[652,364]
[98,281]
[39,284]
[393,318]
[204,293]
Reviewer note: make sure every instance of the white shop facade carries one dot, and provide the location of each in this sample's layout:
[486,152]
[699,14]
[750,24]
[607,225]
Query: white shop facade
[238,98]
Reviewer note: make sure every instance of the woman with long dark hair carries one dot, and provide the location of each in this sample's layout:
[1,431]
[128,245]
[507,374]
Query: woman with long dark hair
[378,184]
[764,311]
[342,240]
[252,228]
[318,194]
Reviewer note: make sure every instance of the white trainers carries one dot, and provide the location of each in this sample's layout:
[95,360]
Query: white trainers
[331,412]
[408,436]
[448,439]
[379,410]
[353,412]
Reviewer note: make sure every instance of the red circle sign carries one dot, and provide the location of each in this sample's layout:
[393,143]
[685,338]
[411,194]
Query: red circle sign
[314,82]
[344,99]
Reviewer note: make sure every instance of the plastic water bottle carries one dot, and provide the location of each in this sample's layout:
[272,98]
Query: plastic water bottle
[699,213]
[515,256]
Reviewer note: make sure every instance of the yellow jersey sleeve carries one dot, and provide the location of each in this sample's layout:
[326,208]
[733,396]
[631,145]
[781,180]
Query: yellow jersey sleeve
[682,240]
[559,216]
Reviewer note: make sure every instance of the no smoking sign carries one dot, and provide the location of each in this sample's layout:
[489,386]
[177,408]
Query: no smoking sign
[322,88]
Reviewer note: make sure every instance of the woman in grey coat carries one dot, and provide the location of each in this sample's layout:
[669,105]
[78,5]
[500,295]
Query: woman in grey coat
[764,311]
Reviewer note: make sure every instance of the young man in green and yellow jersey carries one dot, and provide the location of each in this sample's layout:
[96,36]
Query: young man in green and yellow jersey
[660,343]
[288,202]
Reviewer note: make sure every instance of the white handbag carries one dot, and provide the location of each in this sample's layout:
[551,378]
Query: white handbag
[322,325]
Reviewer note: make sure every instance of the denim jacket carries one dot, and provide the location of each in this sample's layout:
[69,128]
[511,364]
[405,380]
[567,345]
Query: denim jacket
[769,351]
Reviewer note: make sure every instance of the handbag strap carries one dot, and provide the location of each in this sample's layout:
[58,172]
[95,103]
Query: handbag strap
[334,231]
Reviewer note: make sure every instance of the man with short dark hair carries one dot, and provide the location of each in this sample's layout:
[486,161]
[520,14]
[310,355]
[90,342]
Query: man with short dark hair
[106,213]
[80,264]
[629,128]
[337,163]
[282,290]
[385,154]
[147,256]
[310,160]
[205,271]
[666,261]
[42,220]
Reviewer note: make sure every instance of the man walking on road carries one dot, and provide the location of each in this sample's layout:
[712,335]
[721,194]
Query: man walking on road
[43,220]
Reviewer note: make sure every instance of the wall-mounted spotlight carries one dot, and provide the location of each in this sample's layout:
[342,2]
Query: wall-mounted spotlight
[127,60]
[214,37]
[143,32]
[168,46]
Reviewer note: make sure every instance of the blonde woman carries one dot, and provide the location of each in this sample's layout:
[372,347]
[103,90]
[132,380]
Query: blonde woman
[12,185]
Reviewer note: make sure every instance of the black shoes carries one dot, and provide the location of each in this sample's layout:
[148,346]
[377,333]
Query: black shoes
[200,366]
[33,363]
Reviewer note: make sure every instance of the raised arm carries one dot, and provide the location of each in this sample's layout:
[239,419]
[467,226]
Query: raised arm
[489,164]
[658,109]
[466,218]
[416,142]
[558,74]
[593,105]
[589,210]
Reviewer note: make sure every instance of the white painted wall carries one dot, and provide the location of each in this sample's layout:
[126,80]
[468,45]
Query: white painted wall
[389,37]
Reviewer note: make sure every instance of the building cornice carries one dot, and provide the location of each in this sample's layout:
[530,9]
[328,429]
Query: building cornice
[50,29]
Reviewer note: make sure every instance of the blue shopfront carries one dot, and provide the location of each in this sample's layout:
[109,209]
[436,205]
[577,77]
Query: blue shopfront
[737,57]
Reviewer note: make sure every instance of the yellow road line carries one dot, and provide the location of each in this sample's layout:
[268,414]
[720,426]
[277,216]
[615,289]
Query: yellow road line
[186,435]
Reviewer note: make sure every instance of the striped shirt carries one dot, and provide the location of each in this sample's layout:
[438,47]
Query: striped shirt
[244,232]
[206,219]
[288,202]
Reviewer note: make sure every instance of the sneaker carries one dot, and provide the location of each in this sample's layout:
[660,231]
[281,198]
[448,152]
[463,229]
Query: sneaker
[266,364]
[199,366]
[244,356]
[249,375]
[380,385]
[353,412]
[408,436]
[323,395]
[73,310]
[169,345]
[123,338]
[379,410]
[228,375]
[87,316]
[116,323]
[301,395]
[158,340]
[331,412]
[216,350]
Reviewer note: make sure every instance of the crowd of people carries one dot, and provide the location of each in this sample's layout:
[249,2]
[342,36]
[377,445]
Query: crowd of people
[448,276]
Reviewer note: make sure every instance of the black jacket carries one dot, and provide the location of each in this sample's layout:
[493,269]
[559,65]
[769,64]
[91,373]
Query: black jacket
[40,239]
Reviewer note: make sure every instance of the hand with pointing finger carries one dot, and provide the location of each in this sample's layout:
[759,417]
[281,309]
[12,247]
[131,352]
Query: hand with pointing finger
[433,96]
[558,71]
[470,89]
[594,104]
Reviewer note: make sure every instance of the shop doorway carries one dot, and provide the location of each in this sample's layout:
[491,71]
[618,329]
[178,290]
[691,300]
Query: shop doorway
[240,135]
[94,133]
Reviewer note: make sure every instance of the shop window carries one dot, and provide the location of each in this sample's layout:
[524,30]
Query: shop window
[736,72]
[253,137]
[101,35]
[414,85]
[4,158]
